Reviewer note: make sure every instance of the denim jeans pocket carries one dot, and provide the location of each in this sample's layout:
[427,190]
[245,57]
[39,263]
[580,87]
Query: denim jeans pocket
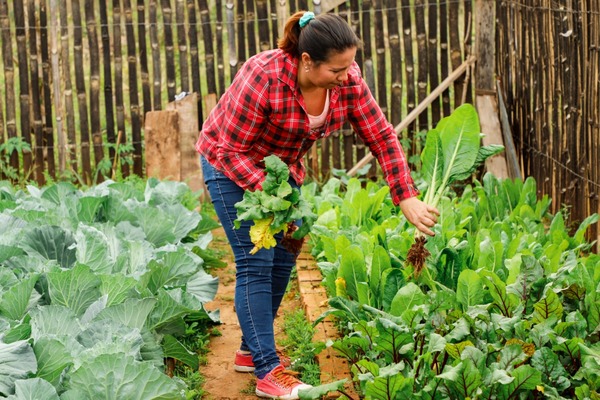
[209,172]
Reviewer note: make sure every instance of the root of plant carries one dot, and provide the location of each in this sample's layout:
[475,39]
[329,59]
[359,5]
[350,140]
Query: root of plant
[417,254]
[292,245]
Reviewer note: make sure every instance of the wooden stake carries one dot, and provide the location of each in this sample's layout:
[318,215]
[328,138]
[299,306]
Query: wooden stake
[410,118]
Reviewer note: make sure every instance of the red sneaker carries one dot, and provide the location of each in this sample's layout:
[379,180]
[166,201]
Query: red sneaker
[243,362]
[279,384]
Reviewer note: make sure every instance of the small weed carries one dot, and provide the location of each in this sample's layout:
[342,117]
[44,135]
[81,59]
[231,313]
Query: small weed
[250,389]
[300,347]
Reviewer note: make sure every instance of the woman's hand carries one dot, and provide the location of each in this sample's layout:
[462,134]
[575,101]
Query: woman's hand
[421,215]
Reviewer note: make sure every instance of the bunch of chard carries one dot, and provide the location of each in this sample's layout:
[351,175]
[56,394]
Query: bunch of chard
[276,207]
[452,153]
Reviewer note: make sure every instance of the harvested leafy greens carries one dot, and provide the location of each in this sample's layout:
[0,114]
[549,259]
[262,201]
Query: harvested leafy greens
[276,207]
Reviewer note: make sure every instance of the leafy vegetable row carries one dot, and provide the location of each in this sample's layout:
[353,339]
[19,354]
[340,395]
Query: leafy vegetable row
[96,287]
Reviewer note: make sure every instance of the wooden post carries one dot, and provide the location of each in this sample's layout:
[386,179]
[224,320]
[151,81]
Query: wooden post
[161,136]
[189,165]
[485,84]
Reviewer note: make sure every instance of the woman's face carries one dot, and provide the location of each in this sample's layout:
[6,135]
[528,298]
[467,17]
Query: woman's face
[333,72]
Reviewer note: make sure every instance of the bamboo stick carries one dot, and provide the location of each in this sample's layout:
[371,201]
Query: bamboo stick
[118,70]
[167,13]
[241,34]
[94,82]
[195,56]
[219,40]
[456,54]
[109,113]
[143,58]
[47,128]
[67,141]
[421,107]
[409,66]
[9,81]
[36,107]
[184,73]
[24,98]
[262,15]
[157,90]
[274,15]
[251,28]
[433,58]
[421,65]
[134,106]
[444,54]
[233,56]
[380,50]
[395,62]
[81,93]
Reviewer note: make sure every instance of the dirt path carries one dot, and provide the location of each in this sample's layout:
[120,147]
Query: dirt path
[222,381]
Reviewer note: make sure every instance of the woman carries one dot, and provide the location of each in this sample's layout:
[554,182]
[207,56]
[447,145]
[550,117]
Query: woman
[280,103]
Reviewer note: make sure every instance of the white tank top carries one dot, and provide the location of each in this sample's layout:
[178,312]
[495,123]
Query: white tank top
[317,121]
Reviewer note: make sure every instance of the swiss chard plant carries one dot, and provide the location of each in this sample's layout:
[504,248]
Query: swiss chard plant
[452,153]
[515,315]
[96,288]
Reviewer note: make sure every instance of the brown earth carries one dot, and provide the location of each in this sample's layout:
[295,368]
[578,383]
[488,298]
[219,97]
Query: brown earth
[222,382]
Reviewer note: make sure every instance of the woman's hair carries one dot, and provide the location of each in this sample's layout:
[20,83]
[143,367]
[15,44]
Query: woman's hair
[320,37]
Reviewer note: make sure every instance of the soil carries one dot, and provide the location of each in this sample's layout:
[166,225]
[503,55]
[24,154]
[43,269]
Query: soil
[222,381]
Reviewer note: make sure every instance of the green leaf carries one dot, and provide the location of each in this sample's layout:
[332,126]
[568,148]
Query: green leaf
[52,358]
[132,312]
[469,291]
[52,243]
[53,320]
[117,288]
[175,349]
[392,280]
[33,389]
[17,361]
[114,377]
[505,302]
[318,392]
[379,264]
[94,249]
[547,307]
[353,270]
[406,298]
[76,288]
[526,378]
[389,381]
[15,302]
[203,286]
[553,372]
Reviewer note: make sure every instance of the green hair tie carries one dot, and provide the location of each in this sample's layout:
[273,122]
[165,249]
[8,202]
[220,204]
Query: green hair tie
[306,18]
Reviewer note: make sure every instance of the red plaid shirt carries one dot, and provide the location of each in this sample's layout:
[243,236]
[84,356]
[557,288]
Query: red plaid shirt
[262,113]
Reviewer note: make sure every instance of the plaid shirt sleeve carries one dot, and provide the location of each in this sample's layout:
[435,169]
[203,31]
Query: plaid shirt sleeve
[245,107]
[380,136]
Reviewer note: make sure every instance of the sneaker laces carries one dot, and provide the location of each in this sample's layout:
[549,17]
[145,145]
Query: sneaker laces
[286,378]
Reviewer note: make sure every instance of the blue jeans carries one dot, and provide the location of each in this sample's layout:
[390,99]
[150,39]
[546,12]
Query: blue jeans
[261,278]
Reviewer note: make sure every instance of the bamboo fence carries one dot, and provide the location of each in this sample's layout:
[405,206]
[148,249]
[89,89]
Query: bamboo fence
[77,77]
[549,73]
